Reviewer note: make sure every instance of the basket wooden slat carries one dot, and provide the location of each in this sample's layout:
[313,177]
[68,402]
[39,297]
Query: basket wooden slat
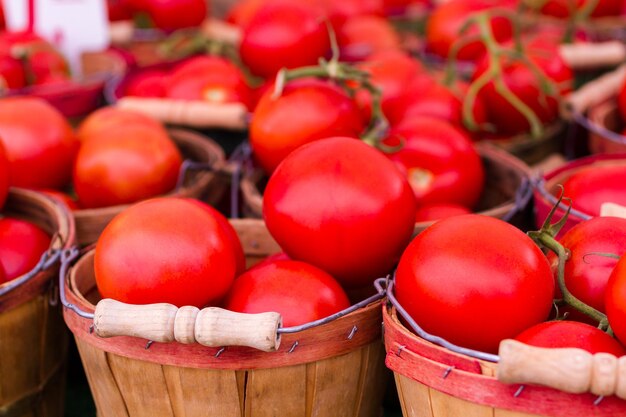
[327,373]
[34,337]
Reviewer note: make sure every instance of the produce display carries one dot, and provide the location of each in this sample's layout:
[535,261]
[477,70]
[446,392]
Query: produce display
[452,169]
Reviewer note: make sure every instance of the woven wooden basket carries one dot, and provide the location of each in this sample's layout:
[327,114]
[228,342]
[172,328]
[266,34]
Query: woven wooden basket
[335,369]
[33,339]
[505,175]
[207,185]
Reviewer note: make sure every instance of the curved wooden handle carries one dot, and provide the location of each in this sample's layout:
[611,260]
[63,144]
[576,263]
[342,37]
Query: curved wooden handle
[585,56]
[200,114]
[210,326]
[594,92]
[567,369]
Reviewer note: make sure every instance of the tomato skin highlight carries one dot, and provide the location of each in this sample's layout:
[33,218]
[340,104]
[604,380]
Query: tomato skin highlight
[342,206]
[21,246]
[474,280]
[164,250]
[300,292]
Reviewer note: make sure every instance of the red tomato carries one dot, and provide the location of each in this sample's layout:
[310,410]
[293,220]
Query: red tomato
[399,7]
[3,275]
[208,78]
[119,10]
[62,197]
[149,83]
[614,299]
[362,36]
[283,34]
[11,72]
[280,256]
[439,161]
[164,250]
[300,292]
[621,101]
[592,186]
[446,21]
[133,164]
[439,211]
[41,150]
[586,272]
[21,246]
[4,175]
[474,280]
[342,206]
[567,8]
[170,15]
[524,84]
[306,111]
[106,119]
[571,334]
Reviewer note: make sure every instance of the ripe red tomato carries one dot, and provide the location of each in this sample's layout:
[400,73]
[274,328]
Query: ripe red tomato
[342,206]
[592,186]
[4,175]
[164,250]
[446,21]
[587,272]
[105,120]
[148,83]
[474,280]
[614,299]
[21,246]
[362,36]
[170,15]
[133,164]
[571,334]
[439,211]
[283,34]
[300,292]
[3,275]
[439,161]
[567,8]
[208,78]
[119,10]
[41,150]
[306,111]
[11,72]
[524,84]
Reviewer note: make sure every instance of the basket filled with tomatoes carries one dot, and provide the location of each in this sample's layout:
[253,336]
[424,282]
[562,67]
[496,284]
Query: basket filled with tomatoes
[555,353]
[34,229]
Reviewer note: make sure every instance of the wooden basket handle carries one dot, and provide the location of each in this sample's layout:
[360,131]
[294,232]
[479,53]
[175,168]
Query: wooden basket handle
[567,369]
[233,116]
[210,326]
[586,56]
[594,92]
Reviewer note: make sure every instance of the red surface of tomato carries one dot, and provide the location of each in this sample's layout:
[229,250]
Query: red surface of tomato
[300,292]
[149,83]
[306,111]
[342,206]
[567,8]
[474,280]
[119,10]
[170,15]
[524,84]
[101,123]
[133,164]
[439,161]
[586,270]
[283,34]
[4,175]
[62,197]
[621,101]
[590,187]
[444,25]
[208,78]
[439,211]
[39,142]
[3,275]
[614,300]
[11,72]
[362,36]
[164,250]
[21,246]
[571,334]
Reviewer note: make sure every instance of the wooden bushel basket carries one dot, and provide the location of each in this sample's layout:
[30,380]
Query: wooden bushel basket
[603,135]
[433,381]
[33,338]
[506,177]
[207,185]
[331,370]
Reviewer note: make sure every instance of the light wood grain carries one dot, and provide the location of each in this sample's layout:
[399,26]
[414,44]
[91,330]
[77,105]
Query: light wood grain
[414,397]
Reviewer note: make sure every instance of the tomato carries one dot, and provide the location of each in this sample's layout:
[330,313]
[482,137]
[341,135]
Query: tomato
[446,21]
[621,101]
[439,161]
[11,72]
[106,119]
[133,164]
[362,36]
[280,256]
[21,246]
[439,211]
[474,280]
[571,334]
[592,186]
[170,15]
[3,275]
[614,299]
[65,198]
[5,179]
[39,142]
[586,271]
[283,34]
[342,206]
[164,250]
[567,8]
[119,10]
[524,84]
[400,7]
[306,111]
[148,83]
[300,292]
[208,78]
[233,237]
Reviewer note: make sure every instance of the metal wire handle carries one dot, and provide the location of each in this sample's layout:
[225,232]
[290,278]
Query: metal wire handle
[240,156]
[523,194]
[67,256]
[189,165]
[598,129]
